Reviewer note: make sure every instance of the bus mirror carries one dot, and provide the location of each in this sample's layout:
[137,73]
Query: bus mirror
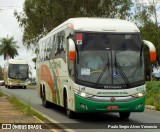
[72,52]
[152,50]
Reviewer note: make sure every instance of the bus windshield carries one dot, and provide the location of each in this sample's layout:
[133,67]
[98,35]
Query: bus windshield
[109,59]
[18,71]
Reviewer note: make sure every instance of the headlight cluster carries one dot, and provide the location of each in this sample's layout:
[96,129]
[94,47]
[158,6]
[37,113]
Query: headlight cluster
[83,94]
[138,95]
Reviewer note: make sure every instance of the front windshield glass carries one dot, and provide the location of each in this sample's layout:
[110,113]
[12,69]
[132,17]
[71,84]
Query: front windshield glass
[109,59]
[18,71]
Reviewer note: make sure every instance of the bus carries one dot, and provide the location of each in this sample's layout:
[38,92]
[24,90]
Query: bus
[16,73]
[112,81]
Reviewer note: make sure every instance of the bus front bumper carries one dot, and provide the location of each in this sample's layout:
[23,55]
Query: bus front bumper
[83,105]
[17,84]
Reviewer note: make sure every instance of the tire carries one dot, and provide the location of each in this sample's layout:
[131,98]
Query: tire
[24,87]
[124,115]
[45,103]
[69,113]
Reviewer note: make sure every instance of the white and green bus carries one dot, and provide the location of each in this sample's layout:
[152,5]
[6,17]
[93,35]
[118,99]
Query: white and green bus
[16,73]
[93,65]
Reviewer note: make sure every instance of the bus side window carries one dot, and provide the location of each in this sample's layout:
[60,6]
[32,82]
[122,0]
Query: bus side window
[56,44]
[51,42]
[43,50]
[52,49]
[48,48]
[62,41]
[38,52]
[60,37]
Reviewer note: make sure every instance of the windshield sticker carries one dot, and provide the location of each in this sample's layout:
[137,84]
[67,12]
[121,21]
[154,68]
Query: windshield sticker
[85,71]
[79,38]
[115,74]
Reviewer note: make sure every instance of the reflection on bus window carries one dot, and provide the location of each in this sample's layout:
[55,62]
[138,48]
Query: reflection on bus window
[18,71]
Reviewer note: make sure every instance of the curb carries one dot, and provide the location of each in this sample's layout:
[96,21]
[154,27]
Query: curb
[56,123]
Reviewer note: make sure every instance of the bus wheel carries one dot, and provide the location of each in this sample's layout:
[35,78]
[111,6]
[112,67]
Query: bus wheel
[69,113]
[124,115]
[24,87]
[45,103]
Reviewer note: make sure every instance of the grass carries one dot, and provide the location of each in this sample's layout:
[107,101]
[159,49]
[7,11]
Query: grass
[153,94]
[32,84]
[26,109]
[1,94]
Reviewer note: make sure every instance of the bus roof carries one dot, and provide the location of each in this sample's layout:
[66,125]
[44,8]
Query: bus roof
[100,25]
[96,25]
[13,61]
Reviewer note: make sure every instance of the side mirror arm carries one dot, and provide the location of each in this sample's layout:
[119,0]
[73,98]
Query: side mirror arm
[152,50]
[72,50]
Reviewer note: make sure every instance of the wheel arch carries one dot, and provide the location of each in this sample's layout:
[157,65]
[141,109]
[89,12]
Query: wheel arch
[42,89]
[65,95]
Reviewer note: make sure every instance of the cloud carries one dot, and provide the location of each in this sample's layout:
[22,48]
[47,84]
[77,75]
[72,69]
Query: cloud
[9,26]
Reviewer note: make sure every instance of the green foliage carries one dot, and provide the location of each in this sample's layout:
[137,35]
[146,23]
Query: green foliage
[8,47]
[41,16]
[1,94]
[153,94]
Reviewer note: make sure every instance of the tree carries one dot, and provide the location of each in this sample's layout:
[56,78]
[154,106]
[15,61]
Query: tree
[146,18]
[41,16]
[8,47]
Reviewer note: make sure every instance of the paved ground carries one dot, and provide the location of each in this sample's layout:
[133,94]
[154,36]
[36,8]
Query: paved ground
[9,114]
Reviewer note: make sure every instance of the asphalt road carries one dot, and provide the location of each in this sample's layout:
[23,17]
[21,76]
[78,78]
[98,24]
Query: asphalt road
[88,122]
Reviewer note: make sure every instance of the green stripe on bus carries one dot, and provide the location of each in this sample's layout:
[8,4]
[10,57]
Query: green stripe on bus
[85,105]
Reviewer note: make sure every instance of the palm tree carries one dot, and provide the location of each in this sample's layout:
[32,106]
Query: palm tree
[8,47]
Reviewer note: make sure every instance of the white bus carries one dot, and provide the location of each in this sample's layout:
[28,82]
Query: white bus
[93,65]
[16,73]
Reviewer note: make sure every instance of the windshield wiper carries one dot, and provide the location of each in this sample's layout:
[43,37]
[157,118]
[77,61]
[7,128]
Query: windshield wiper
[117,66]
[103,71]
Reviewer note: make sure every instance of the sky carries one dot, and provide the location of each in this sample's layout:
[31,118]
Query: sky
[148,3]
[9,26]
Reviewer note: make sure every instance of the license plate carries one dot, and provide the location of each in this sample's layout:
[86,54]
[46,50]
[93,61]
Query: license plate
[112,107]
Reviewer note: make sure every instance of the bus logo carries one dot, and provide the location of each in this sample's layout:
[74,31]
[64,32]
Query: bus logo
[112,99]
[79,38]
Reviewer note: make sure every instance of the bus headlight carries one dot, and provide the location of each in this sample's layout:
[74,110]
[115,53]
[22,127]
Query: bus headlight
[83,94]
[138,95]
